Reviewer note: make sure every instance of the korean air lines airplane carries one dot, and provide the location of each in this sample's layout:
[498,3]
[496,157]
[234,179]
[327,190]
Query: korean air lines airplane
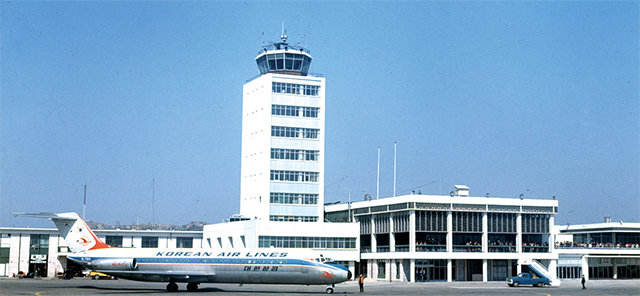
[194,266]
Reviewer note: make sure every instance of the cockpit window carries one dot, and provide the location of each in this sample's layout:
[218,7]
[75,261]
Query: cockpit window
[324,260]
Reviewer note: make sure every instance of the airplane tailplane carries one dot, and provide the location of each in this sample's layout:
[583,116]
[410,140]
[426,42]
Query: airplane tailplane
[75,231]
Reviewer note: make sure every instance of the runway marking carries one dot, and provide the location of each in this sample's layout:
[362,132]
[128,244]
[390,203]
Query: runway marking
[38,293]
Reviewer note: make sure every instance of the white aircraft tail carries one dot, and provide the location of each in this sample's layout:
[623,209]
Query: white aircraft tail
[75,231]
[540,270]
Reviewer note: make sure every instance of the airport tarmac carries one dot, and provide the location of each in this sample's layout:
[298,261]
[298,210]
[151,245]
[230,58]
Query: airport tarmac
[84,286]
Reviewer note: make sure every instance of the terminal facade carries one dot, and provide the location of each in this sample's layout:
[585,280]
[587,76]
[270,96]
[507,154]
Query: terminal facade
[609,250]
[450,238]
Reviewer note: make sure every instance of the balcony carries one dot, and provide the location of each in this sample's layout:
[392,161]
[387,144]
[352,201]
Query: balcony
[382,249]
[467,248]
[431,248]
[620,246]
[365,249]
[535,249]
[502,249]
[402,248]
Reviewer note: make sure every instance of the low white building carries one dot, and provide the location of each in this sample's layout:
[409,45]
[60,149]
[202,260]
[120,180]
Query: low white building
[43,252]
[338,241]
[609,250]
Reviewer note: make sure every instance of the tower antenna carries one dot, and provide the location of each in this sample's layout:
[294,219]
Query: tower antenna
[153,203]
[283,36]
[378,177]
[84,203]
[395,146]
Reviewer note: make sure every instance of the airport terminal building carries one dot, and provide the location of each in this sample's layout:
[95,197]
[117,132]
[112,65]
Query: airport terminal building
[411,238]
[609,250]
[450,238]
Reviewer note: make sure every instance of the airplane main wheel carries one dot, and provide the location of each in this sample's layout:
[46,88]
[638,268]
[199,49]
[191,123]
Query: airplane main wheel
[192,287]
[172,287]
[329,290]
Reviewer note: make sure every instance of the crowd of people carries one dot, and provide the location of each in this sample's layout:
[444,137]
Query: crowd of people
[431,244]
[535,247]
[567,244]
[500,246]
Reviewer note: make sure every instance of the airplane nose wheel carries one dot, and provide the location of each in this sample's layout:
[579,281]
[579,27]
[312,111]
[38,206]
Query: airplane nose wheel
[330,288]
[192,287]
[172,287]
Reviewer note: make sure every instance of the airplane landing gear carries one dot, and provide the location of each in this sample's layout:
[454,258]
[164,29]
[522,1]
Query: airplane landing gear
[192,287]
[172,287]
[330,289]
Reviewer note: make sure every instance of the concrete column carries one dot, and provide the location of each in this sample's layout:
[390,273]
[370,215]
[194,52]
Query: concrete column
[518,268]
[449,270]
[449,231]
[392,238]
[484,270]
[352,268]
[613,239]
[412,270]
[585,267]
[412,234]
[485,233]
[403,277]
[53,264]
[389,270]
[509,267]
[552,239]
[373,270]
[23,252]
[615,267]
[519,236]
[589,239]
[553,270]
[374,242]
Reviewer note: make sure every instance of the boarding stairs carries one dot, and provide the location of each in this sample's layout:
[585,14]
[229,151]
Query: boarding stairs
[542,271]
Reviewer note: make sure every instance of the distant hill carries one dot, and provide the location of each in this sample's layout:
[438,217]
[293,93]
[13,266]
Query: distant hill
[191,226]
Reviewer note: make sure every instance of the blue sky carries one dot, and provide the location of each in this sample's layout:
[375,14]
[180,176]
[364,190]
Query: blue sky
[538,98]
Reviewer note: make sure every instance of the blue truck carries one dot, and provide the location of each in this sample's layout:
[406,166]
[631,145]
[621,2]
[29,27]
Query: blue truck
[526,279]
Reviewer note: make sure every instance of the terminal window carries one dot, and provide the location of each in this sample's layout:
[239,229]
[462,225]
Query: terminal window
[114,241]
[184,242]
[149,242]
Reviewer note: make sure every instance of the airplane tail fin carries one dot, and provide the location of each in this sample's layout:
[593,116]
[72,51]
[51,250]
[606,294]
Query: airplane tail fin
[75,231]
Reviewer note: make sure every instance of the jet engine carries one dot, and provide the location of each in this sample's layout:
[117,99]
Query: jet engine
[113,264]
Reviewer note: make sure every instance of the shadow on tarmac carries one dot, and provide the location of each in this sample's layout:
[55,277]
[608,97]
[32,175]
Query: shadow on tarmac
[129,290]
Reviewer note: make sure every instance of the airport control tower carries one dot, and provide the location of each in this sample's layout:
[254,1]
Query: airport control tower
[282,163]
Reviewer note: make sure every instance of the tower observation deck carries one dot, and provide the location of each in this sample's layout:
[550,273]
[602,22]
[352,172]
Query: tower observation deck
[283,58]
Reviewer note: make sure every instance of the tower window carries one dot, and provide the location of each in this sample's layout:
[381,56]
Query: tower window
[293,88]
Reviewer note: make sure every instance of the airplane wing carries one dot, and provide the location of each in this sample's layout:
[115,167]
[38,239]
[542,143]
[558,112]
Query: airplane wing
[161,276]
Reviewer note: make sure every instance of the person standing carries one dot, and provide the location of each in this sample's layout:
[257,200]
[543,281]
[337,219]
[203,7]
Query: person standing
[361,283]
[583,281]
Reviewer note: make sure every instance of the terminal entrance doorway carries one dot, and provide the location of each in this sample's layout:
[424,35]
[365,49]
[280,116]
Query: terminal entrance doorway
[38,266]
[467,270]
[431,270]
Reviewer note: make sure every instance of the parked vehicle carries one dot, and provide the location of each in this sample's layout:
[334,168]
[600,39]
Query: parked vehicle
[526,279]
[99,275]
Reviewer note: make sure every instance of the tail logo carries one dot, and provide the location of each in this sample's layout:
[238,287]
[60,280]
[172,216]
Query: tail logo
[327,275]
[84,241]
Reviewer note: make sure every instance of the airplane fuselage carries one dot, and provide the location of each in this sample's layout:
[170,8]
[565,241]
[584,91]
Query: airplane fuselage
[248,266]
